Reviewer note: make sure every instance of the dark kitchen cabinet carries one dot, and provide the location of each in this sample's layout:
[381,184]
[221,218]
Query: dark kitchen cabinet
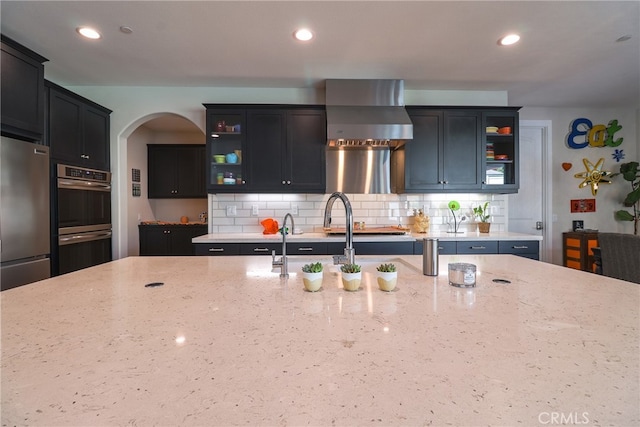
[282,148]
[266,133]
[77,129]
[444,247]
[157,240]
[217,249]
[176,171]
[22,82]
[500,151]
[524,248]
[286,150]
[373,248]
[444,154]
[477,247]
[226,130]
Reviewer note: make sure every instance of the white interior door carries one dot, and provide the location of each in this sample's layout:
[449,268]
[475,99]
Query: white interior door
[529,209]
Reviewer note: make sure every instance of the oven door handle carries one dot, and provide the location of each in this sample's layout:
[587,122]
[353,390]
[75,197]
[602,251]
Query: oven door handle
[74,184]
[71,239]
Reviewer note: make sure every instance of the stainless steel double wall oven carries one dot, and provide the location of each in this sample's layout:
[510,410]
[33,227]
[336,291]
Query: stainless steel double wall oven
[83,218]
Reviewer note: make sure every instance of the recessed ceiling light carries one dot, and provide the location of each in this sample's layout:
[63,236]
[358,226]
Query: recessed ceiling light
[303,34]
[125,29]
[623,38]
[89,33]
[509,40]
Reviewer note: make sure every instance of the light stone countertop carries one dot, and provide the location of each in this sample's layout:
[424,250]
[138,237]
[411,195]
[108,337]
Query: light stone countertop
[314,237]
[226,341]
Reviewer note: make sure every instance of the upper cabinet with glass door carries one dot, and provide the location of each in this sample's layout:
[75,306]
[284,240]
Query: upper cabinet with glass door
[500,139]
[225,145]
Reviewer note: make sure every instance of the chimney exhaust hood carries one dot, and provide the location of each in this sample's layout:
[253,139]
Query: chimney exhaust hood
[366,112]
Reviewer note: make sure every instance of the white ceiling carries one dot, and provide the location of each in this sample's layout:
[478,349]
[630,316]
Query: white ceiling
[568,55]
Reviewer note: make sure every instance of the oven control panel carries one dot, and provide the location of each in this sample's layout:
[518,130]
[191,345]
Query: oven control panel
[84,174]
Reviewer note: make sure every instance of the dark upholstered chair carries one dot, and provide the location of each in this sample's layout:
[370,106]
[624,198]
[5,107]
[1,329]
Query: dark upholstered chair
[620,255]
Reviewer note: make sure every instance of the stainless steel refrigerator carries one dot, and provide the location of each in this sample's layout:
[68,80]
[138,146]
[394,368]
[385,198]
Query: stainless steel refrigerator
[24,213]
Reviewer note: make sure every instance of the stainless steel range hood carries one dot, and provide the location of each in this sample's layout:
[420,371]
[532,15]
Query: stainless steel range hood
[367,112]
[366,119]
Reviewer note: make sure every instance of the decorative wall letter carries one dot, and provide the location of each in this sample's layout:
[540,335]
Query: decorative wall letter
[596,135]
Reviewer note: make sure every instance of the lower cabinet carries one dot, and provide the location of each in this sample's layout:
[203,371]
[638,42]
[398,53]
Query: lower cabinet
[302,248]
[524,248]
[477,247]
[444,247]
[382,248]
[169,239]
[217,249]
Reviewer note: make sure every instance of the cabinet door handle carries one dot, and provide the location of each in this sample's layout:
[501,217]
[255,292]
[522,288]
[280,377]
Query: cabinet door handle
[283,182]
[260,250]
[305,249]
[478,247]
[216,249]
[520,247]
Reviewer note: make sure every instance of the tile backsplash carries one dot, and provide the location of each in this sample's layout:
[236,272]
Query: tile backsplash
[242,213]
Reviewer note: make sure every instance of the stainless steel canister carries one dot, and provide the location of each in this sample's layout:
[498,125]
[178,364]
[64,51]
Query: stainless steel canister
[430,257]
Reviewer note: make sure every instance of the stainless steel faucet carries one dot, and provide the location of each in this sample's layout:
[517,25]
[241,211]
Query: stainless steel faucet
[282,262]
[349,253]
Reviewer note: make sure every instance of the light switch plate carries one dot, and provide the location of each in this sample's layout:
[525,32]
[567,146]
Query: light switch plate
[254,210]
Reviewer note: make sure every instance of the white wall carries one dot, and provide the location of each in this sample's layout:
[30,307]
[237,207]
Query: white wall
[565,185]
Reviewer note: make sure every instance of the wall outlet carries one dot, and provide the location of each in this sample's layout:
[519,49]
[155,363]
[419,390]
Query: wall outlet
[294,210]
[254,210]
[231,210]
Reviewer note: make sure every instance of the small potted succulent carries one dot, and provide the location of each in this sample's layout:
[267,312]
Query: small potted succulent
[351,277]
[312,276]
[387,277]
[482,213]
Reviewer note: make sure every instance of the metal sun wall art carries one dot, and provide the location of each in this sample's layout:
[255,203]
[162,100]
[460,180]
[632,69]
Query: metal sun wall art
[593,176]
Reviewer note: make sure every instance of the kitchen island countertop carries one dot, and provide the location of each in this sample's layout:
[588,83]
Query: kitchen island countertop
[226,341]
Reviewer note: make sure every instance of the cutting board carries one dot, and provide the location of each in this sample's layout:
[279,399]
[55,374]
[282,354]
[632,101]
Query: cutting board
[393,229]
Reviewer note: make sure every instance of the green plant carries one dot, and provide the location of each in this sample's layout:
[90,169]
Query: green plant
[630,172]
[350,268]
[482,212]
[387,268]
[315,267]
[453,206]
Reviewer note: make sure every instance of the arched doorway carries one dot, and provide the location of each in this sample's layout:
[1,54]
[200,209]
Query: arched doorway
[133,205]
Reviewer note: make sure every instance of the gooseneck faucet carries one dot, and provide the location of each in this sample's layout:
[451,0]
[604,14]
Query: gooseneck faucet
[282,263]
[349,253]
